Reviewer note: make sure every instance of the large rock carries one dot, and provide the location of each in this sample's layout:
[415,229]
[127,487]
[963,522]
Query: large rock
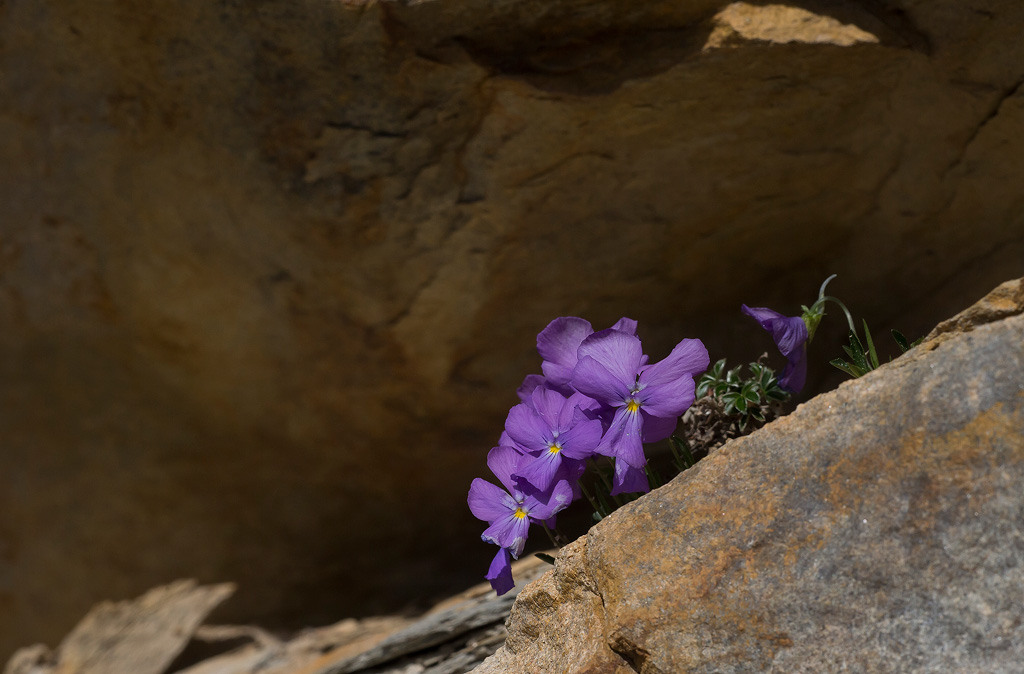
[270,271]
[878,528]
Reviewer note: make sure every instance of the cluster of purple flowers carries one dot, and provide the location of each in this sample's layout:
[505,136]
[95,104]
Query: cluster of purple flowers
[598,395]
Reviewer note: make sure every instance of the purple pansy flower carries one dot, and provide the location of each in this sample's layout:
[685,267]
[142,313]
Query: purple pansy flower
[556,432]
[790,335]
[647,399]
[557,345]
[510,513]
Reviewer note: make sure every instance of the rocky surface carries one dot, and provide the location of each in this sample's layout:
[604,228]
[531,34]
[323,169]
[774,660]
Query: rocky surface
[132,637]
[270,271]
[879,527]
[145,635]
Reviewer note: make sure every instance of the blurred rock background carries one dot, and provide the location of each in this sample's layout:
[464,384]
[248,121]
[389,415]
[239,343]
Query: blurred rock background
[270,272]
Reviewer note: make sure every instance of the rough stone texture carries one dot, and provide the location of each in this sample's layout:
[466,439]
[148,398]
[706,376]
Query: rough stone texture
[270,271]
[878,528]
[144,636]
[132,637]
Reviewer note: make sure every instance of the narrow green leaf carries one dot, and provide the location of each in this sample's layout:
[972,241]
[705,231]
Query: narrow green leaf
[901,341]
[859,359]
[841,364]
[682,448]
[544,557]
[871,346]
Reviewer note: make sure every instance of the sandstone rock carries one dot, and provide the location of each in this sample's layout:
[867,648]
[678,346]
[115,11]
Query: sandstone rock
[270,272]
[878,528]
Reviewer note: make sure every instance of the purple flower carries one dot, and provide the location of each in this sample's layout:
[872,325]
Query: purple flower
[647,399]
[510,513]
[500,572]
[556,433]
[558,343]
[790,335]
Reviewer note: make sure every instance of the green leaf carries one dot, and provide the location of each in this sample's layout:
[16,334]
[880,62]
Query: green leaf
[871,346]
[544,557]
[901,341]
[845,367]
[681,450]
[718,368]
[856,352]
[741,403]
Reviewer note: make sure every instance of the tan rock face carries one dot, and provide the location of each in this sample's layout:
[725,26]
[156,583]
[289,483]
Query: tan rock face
[876,528]
[269,273]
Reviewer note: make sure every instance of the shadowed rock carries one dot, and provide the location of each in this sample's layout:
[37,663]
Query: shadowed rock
[271,271]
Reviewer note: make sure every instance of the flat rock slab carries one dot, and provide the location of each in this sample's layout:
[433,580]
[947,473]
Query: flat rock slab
[132,637]
[878,528]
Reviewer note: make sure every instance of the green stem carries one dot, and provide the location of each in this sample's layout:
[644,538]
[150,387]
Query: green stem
[849,318]
[551,536]
[821,290]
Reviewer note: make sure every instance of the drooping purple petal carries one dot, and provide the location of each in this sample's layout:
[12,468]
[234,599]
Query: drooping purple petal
[503,461]
[790,335]
[488,502]
[527,429]
[500,572]
[788,332]
[580,441]
[668,399]
[658,428]
[794,375]
[557,345]
[543,506]
[618,352]
[509,532]
[689,357]
[628,479]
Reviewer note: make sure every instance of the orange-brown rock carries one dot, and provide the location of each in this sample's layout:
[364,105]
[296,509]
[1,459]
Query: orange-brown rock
[878,528]
[270,271]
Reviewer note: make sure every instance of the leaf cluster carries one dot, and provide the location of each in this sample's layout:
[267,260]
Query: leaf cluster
[748,396]
[863,360]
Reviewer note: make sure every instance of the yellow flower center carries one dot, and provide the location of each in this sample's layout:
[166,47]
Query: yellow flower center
[519,513]
[554,449]
[632,405]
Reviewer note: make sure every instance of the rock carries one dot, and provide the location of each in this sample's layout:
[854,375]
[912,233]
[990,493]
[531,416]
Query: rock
[879,527]
[137,637]
[270,272]
[144,636]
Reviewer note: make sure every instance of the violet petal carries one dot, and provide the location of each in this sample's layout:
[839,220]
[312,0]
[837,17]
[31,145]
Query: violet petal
[628,480]
[500,572]
[489,502]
